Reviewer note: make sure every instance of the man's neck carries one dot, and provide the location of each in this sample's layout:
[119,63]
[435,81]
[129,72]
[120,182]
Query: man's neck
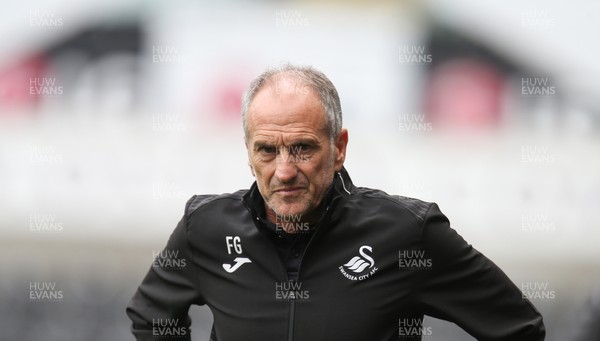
[290,223]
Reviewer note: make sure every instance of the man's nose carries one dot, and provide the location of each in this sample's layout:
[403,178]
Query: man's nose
[286,169]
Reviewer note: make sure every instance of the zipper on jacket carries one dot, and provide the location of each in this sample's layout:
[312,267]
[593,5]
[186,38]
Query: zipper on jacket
[292,312]
[326,218]
[291,321]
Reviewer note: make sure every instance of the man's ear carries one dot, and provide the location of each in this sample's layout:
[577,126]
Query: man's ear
[249,162]
[340,143]
[251,169]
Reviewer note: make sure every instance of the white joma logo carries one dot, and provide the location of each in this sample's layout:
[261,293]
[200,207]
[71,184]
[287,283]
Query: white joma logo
[239,261]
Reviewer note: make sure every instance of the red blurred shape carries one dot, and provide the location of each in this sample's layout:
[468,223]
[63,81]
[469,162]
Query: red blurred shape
[15,81]
[228,99]
[465,93]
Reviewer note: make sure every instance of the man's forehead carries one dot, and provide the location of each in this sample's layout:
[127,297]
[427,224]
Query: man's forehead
[272,110]
[285,119]
[294,132]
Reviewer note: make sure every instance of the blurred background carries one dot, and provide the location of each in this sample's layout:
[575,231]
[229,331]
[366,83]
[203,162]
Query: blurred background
[113,113]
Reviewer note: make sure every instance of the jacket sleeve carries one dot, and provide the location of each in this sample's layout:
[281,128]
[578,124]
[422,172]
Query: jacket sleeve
[465,287]
[159,308]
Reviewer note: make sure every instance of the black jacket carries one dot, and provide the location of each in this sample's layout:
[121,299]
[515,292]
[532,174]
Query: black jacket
[374,266]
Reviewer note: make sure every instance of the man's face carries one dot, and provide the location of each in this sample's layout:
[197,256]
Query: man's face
[289,150]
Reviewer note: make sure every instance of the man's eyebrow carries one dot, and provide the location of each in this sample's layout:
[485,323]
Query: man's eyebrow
[292,141]
[264,140]
[262,143]
[303,140]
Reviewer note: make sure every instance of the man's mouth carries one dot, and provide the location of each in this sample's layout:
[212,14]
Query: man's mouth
[289,190]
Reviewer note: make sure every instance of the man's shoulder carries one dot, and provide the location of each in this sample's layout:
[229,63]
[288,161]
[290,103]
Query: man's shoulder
[416,207]
[203,200]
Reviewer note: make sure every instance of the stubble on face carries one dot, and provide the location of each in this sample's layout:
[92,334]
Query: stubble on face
[291,183]
[303,204]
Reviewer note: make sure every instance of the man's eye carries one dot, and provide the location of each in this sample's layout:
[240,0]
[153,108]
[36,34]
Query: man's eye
[267,150]
[305,147]
[300,148]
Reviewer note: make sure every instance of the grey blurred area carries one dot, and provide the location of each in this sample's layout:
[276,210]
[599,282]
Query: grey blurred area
[113,114]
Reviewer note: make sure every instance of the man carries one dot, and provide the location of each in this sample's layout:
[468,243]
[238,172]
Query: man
[305,255]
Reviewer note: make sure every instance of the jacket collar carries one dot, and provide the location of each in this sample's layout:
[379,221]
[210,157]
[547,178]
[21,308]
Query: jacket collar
[342,183]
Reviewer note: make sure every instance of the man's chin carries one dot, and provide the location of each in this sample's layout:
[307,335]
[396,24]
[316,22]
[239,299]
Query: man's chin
[289,210]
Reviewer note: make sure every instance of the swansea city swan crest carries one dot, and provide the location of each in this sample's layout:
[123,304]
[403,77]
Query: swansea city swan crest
[360,267]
